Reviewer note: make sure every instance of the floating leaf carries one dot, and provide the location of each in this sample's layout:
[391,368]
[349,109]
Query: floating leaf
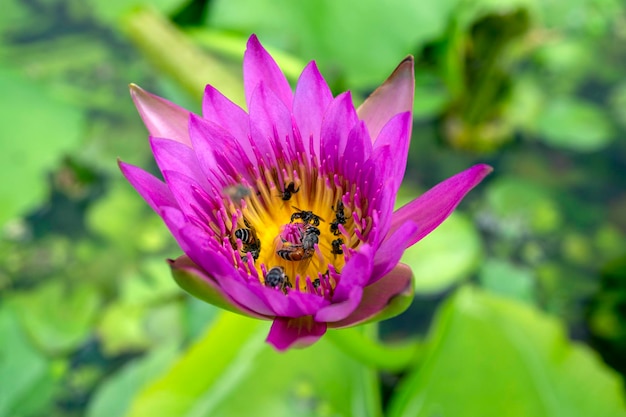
[58,316]
[574,124]
[35,131]
[504,278]
[490,356]
[28,378]
[373,35]
[447,255]
[115,395]
[232,360]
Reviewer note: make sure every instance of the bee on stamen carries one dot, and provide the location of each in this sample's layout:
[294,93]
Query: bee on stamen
[336,244]
[305,249]
[293,253]
[237,192]
[340,218]
[276,278]
[306,216]
[250,244]
[289,190]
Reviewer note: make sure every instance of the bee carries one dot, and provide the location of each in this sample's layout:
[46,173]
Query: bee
[289,190]
[276,278]
[293,253]
[306,216]
[310,238]
[316,283]
[340,218]
[237,192]
[336,244]
[249,243]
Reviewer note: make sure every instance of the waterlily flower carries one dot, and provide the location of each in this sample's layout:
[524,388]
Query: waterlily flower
[285,212]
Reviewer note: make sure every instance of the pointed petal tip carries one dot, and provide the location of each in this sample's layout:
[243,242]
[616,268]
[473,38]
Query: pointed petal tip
[393,96]
[287,333]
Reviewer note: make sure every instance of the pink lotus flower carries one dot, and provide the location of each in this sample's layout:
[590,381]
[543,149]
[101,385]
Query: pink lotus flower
[285,213]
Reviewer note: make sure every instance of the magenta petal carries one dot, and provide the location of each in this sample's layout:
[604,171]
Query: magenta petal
[155,192]
[270,122]
[394,96]
[387,297]
[259,66]
[300,332]
[174,156]
[213,145]
[162,118]
[192,279]
[310,102]
[388,254]
[347,295]
[338,121]
[220,110]
[397,134]
[434,206]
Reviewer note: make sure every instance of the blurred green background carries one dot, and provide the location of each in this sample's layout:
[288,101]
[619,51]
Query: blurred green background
[520,307]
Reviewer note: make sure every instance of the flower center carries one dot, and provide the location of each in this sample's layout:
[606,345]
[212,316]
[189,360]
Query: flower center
[295,227]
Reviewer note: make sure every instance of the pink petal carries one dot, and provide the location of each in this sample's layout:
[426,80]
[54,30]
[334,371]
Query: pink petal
[214,144]
[394,96]
[310,102]
[258,65]
[155,192]
[388,254]
[162,118]
[300,332]
[171,155]
[338,121]
[387,297]
[397,134]
[434,206]
[270,122]
[347,295]
[218,109]
[192,279]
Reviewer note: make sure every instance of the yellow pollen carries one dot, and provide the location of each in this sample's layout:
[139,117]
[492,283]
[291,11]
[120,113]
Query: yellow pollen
[294,223]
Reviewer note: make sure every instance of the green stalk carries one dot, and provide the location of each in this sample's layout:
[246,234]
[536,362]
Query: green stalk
[368,351]
[175,55]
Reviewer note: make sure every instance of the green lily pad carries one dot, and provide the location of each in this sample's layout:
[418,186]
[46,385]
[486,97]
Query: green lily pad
[36,129]
[116,393]
[491,356]
[503,278]
[374,35]
[231,371]
[446,256]
[574,124]
[523,206]
[58,316]
[28,377]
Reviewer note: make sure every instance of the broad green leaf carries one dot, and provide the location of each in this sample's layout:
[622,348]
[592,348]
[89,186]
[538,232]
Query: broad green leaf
[491,356]
[231,371]
[115,395]
[574,124]
[228,348]
[129,327]
[111,11]
[504,278]
[123,218]
[523,206]
[35,131]
[360,41]
[27,377]
[58,316]
[447,255]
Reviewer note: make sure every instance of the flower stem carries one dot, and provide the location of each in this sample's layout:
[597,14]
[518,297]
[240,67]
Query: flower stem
[370,352]
[173,53]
